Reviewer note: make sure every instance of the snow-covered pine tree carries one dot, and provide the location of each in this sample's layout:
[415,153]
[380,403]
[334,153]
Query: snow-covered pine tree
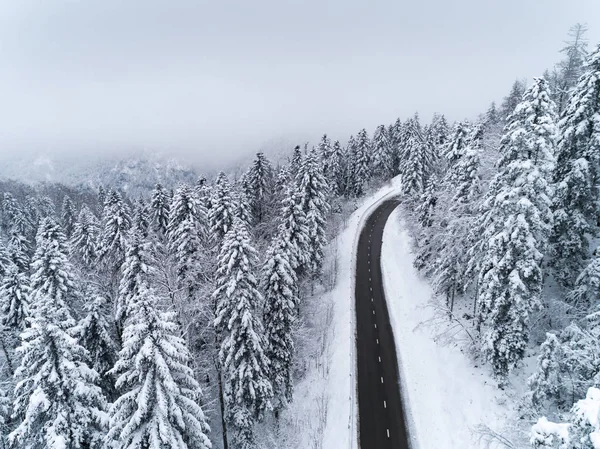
[516,221]
[159,404]
[84,241]
[259,187]
[141,217]
[186,236]
[14,299]
[117,222]
[222,211]
[58,404]
[325,153]
[543,384]
[576,176]
[46,207]
[243,209]
[52,279]
[69,216]
[416,158]
[492,117]
[313,191]
[360,163]
[296,160]
[244,365]
[281,299]
[455,147]
[294,230]
[97,336]
[160,209]
[137,270]
[439,130]
[337,172]
[586,291]
[383,158]
[18,251]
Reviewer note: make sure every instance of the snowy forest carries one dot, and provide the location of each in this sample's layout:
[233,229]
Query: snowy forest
[179,317]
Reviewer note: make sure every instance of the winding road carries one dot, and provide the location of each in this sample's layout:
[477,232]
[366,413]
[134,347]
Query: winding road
[381,415]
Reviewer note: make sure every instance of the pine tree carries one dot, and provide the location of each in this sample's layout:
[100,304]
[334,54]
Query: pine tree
[492,117]
[294,230]
[312,188]
[586,291]
[52,279]
[14,299]
[117,222]
[141,217]
[416,158]
[543,384]
[516,221]
[337,172]
[281,299]
[187,233]
[96,335]
[383,160]
[222,211]
[160,209]
[570,69]
[137,271]
[58,403]
[259,187]
[576,176]
[360,163]
[511,101]
[84,241]
[245,367]
[158,407]
[69,216]
[18,251]
[296,160]
[325,151]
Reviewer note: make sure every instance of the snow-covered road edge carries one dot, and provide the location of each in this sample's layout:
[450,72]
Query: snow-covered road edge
[446,397]
[341,427]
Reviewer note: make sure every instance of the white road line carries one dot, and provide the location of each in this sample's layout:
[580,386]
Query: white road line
[371,299]
[370,278]
[388,432]
[375,324]
[382,379]
[373,312]
[378,341]
[371,288]
[384,404]
[379,359]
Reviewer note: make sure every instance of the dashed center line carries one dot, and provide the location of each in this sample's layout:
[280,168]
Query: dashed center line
[388,432]
[381,379]
[384,404]
[379,359]
[378,341]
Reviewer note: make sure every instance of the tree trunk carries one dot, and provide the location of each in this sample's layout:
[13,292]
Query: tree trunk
[222,402]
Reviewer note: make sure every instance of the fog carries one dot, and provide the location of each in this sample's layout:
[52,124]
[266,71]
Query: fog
[215,81]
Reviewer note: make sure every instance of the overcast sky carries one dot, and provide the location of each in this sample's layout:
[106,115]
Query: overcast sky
[218,79]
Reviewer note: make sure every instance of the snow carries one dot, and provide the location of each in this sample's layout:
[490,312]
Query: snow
[447,398]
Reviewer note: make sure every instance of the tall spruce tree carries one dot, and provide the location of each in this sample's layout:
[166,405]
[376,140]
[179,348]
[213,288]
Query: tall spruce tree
[516,222]
[259,187]
[116,223]
[160,205]
[245,367]
[576,176]
[222,210]
[159,404]
[84,241]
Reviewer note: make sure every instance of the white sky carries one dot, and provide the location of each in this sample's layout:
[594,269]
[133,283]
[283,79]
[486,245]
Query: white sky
[215,80]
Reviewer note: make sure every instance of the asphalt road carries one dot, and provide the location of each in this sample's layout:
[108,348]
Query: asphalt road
[381,417]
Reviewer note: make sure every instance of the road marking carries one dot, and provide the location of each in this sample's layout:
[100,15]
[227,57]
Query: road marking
[379,359]
[371,299]
[382,379]
[375,324]
[371,288]
[373,310]
[384,404]
[378,341]
[369,277]
[388,432]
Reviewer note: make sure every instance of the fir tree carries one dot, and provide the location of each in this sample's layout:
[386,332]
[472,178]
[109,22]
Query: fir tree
[586,291]
[325,153]
[337,170]
[58,404]
[296,160]
[117,222]
[570,69]
[416,158]
[516,222]
[222,211]
[160,209]
[69,216]
[383,160]
[141,217]
[96,335]
[14,299]
[511,101]
[360,163]
[294,230]
[18,251]
[245,367]
[84,241]
[312,188]
[576,176]
[281,299]
[158,407]
[259,187]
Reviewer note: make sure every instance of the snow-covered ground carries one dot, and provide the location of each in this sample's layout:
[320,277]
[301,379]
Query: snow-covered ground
[447,397]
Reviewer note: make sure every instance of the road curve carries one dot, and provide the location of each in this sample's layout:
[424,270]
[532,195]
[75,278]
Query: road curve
[381,417]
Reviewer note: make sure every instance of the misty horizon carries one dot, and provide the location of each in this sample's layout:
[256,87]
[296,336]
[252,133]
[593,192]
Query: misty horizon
[215,83]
